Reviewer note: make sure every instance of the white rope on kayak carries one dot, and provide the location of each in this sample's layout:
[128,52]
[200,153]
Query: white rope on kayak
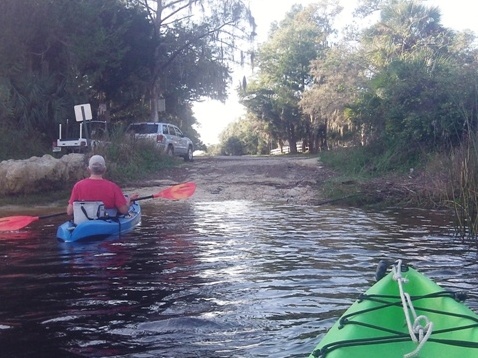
[421,328]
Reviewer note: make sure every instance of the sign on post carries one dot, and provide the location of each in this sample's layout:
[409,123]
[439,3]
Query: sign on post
[83,112]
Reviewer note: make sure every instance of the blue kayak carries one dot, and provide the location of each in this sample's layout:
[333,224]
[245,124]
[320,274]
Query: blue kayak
[100,228]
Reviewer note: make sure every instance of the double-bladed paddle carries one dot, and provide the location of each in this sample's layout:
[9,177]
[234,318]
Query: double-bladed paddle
[175,192]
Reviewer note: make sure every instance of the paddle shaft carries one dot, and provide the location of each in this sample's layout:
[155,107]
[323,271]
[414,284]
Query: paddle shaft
[51,215]
[153,196]
[144,197]
[64,213]
[179,191]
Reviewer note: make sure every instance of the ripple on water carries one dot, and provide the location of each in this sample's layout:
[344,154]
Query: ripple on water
[217,279]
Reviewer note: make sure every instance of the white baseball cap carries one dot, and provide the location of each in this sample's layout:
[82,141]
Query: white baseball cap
[97,161]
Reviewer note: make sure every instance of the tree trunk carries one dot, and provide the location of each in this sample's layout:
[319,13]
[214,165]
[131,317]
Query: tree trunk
[314,135]
[281,145]
[325,144]
[155,85]
[292,140]
[154,103]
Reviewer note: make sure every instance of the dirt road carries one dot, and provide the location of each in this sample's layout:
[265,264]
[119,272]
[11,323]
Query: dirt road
[267,178]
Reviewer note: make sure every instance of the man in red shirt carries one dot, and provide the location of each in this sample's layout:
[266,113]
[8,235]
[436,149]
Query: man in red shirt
[96,188]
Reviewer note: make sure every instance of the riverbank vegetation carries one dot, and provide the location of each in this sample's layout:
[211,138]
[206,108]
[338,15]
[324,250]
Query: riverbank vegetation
[132,60]
[127,160]
[132,160]
[365,177]
[392,105]
[393,99]
[445,180]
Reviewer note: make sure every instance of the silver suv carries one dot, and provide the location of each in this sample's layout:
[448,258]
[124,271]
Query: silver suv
[167,136]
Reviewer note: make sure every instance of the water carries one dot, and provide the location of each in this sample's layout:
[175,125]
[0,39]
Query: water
[219,279]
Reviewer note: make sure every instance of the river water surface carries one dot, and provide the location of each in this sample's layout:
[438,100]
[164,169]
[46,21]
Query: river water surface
[211,279]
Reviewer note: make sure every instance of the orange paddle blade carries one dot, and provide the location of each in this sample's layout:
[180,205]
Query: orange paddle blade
[180,191]
[12,223]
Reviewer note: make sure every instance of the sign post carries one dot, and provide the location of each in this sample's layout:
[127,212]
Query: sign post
[83,112]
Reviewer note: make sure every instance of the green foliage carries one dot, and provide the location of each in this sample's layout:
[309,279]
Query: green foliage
[16,143]
[463,173]
[59,61]
[284,74]
[421,88]
[358,168]
[113,53]
[232,146]
[127,162]
[194,41]
[370,161]
[338,74]
[349,161]
[130,160]
[244,136]
[417,107]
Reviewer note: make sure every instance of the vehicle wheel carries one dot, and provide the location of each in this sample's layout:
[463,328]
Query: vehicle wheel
[170,151]
[189,157]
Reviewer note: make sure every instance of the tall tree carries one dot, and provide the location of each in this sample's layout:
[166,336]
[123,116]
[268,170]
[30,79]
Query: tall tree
[405,27]
[338,79]
[245,136]
[208,32]
[414,65]
[284,63]
[63,53]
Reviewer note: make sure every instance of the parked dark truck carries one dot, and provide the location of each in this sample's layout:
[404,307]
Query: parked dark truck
[82,135]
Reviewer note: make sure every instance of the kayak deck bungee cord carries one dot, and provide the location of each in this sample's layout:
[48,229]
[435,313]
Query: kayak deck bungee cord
[405,314]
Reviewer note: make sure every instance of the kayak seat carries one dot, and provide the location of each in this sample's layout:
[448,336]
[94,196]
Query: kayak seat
[88,210]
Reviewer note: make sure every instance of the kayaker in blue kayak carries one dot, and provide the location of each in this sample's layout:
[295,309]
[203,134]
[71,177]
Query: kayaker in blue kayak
[96,188]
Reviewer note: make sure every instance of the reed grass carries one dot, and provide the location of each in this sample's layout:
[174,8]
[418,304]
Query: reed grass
[464,192]
[131,160]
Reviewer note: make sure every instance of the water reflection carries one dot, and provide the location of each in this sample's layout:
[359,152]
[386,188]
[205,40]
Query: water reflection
[211,279]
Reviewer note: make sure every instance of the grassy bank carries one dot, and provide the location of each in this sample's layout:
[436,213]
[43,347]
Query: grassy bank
[371,178]
[126,162]
[446,180]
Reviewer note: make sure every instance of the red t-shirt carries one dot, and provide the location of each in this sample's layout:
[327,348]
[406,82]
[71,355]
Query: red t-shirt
[98,190]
